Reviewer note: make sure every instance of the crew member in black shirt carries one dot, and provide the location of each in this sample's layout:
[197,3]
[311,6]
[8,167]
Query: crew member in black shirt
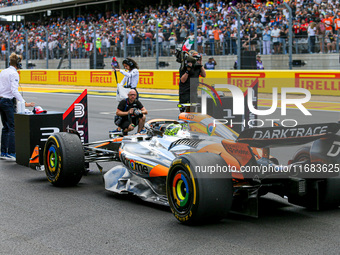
[132,112]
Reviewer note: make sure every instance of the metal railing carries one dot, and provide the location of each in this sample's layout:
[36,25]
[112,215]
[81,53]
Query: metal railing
[286,44]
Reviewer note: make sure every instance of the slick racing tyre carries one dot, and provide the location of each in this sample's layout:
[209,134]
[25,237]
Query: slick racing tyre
[195,195]
[64,159]
[329,188]
[302,155]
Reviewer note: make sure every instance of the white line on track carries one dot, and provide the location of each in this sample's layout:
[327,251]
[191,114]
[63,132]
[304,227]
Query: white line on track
[101,96]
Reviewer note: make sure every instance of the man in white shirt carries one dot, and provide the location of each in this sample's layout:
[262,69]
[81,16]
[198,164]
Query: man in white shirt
[41,47]
[160,42]
[9,83]
[275,34]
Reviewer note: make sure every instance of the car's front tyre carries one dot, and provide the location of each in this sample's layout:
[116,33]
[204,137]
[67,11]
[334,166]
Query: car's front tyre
[64,159]
[196,195]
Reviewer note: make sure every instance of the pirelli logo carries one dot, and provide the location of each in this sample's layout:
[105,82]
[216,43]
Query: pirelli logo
[146,78]
[101,77]
[38,76]
[67,76]
[175,78]
[318,81]
[246,79]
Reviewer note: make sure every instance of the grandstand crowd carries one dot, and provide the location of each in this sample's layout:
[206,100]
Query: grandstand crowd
[264,28]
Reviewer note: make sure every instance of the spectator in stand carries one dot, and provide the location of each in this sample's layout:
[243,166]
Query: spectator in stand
[3,50]
[19,48]
[160,42]
[131,43]
[221,36]
[99,45]
[320,32]
[233,37]
[105,46]
[337,23]
[328,21]
[275,35]
[296,29]
[258,27]
[331,42]
[148,42]
[283,38]
[172,43]
[304,28]
[227,40]
[117,44]
[216,32]
[176,19]
[253,38]
[266,38]
[183,34]
[88,48]
[200,43]
[311,36]
[210,35]
[138,43]
[80,48]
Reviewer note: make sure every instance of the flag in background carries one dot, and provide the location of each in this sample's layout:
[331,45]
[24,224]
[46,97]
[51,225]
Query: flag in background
[188,43]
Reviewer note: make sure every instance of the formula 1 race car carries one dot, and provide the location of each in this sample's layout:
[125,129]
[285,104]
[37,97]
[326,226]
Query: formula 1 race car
[202,169]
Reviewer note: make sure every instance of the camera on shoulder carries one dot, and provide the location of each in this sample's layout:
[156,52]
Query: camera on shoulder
[183,57]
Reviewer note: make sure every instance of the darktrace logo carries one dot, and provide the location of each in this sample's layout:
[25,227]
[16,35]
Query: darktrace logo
[280,133]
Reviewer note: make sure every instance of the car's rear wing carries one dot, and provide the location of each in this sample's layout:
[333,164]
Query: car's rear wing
[286,136]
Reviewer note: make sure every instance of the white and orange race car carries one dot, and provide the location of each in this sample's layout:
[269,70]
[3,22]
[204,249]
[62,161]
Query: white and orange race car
[202,169]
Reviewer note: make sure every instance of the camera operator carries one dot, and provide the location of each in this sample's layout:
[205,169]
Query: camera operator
[130,113]
[189,73]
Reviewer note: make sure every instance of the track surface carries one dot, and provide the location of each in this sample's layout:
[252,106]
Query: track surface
[37,218]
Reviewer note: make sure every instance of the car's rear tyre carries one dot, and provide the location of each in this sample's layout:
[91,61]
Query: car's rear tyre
[302,155]
[328,189]
[196,195]
[64,159]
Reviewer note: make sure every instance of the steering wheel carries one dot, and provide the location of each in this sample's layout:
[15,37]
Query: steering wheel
[151,131]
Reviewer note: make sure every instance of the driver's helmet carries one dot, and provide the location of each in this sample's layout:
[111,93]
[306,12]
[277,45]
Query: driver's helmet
[172,129]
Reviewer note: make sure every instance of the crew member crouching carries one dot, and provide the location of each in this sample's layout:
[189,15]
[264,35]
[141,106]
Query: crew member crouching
[130,113]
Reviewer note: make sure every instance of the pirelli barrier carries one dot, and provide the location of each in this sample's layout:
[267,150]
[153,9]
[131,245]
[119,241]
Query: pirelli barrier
[317,82]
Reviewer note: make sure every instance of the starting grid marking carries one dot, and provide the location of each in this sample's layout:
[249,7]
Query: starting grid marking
[98,93]
[312,105]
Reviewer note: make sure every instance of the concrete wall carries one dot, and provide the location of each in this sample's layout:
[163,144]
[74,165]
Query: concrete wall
[271,62]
